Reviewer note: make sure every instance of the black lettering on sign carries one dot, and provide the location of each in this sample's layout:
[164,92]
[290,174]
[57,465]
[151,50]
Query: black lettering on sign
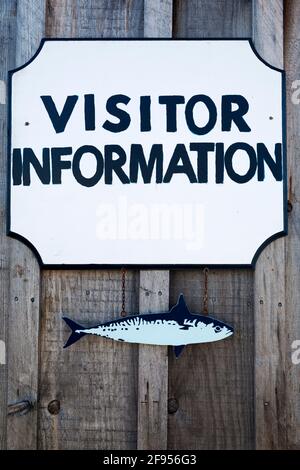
[156,162]
[115,164]
[252,162]
[90,149]
[114,110]
[180,154]
[138,161]
[42,169]
[59,121]
[202,151]
[263,156]
[212,114]
[145,113]
[229,115]
[17,167]
[89,112]
[171,103]
[219,163]
[58,164]
[151,168]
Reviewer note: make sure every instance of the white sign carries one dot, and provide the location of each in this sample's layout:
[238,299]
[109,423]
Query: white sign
[147,152]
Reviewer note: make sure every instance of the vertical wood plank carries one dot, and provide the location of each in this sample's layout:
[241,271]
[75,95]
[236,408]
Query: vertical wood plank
[7,61]
[269,285]
[217,18]
[154,297]
[153,367]
[88,393]
[292,242]
[158,18]
[23,324]
[94,18]
[212,385]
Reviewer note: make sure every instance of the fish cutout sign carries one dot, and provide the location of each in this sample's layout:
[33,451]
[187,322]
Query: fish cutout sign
[177,328]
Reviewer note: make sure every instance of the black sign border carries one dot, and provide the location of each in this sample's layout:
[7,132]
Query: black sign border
[26,242]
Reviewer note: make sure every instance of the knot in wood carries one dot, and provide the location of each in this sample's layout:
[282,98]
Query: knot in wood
[172,405]
[54,407]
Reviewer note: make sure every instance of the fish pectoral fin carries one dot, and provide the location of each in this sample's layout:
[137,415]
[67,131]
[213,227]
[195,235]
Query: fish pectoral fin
[178,350]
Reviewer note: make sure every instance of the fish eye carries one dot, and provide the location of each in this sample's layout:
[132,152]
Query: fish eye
[217,329]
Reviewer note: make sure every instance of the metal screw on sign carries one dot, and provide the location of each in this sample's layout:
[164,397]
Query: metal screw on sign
[205,296]
[123,312]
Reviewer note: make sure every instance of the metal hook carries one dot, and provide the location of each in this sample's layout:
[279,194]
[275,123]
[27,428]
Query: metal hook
[205,296]
[123,312]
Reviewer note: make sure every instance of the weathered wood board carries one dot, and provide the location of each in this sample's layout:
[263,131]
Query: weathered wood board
[94,383]
[269,281]
[238,394]
[291,331]
[213,384]
[7,38]
[153,367]
[152,426]
[23,308]
[97,378]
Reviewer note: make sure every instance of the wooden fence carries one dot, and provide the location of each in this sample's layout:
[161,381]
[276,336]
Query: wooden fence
[238,394]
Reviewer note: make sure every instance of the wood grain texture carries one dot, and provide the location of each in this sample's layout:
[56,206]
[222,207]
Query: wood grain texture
[292,317]
[153,367]
[212,19]
[267,30]
[101,394]
[213,384]
[95,18]
[158,18]
[23,291]
[7,60]
[95,380]
[269,285]
[154,297]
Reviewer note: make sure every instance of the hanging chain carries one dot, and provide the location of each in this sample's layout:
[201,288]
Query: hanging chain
[123,312]
[205,296]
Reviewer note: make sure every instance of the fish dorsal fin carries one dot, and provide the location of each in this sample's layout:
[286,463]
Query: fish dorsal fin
[178,350]
[181,302]
[181,309]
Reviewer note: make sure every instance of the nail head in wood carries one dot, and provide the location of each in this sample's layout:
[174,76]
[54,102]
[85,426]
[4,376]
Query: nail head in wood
[21,407]
[172,405]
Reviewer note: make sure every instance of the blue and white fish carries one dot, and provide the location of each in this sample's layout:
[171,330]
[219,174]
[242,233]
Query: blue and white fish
[177,328]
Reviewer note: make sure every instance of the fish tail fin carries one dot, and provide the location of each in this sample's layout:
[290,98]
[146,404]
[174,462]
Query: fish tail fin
[74,336]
